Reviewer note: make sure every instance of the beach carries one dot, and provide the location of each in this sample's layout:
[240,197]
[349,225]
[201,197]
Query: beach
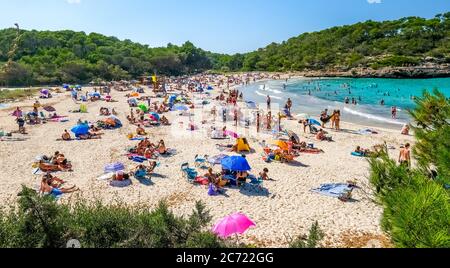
[287,209]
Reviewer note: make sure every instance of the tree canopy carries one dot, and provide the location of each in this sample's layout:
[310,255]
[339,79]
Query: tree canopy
[45,57]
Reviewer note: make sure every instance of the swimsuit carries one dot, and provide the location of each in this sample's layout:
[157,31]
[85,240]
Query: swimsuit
[56,192]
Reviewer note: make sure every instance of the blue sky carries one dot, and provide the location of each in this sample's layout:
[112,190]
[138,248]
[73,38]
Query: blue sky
[227,26]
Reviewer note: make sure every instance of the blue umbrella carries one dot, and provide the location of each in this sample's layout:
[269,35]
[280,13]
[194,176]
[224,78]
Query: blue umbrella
[155,116]
[210,88]
[180,108]
[114,167]
[80,129]
[314,122]
[65,86]
[235,163]
[77,86]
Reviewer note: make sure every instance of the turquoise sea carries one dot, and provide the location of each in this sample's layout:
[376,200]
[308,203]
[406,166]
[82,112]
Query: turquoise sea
[313,95]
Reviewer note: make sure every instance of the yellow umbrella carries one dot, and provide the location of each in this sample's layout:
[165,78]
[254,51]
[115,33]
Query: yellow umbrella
[282,144]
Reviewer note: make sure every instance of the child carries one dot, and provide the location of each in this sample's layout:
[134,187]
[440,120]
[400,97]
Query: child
[264,176]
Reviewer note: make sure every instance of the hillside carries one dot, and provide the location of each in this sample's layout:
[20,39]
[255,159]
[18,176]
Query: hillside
[45,57]
[405,42]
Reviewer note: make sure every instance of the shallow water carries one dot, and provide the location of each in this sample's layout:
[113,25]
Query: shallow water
[4,106]
[312,95]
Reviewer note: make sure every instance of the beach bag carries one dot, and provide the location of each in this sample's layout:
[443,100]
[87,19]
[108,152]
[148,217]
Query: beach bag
[212,191]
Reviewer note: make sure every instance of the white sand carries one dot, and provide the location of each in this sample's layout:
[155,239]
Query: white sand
[289,209]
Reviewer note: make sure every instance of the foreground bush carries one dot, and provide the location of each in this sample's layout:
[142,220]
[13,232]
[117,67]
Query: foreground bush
[39,222]
[313,239]
[416,202]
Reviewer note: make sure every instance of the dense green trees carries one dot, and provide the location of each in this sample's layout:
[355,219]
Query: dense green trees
[416,201]
[403,42]
[45,57]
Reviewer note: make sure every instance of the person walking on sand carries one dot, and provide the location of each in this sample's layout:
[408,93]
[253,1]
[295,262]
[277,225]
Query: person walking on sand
[289,105]
[405,156]
[337,120]
[258,121]
[268,102]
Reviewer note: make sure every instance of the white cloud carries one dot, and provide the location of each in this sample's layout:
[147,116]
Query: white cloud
[374,1]
[74,2]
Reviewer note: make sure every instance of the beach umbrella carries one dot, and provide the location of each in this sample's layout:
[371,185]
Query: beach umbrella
[49,109]
[209,88]
[66,86]
[217,160]
[180,108]
[154,116]
[282,144]
[114,167]
[231,134]
[236,223]
[45,91]
[143,107]
[78,86]
[314,122]
[235,163]
[291,135]
[80,129]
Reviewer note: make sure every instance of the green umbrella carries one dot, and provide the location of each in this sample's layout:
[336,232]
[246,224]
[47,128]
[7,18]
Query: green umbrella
[143,107]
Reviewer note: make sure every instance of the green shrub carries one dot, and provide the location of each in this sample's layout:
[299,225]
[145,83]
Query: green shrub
[311,241]
[416,204]
[39,222]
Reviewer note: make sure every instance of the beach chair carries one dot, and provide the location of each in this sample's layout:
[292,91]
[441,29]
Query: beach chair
[201,162]
[189,173]
[255,183]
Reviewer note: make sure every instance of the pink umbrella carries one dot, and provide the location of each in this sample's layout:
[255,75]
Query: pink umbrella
[237,223]
[231,134]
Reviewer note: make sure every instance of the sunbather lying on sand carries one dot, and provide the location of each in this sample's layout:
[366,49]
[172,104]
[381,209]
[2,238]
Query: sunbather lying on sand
[364,152]
[90,136]
[48,167]
[46,188]
[54,181]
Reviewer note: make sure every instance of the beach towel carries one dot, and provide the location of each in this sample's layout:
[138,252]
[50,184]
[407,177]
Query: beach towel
[212,191]
[358,154]
[201,180]
[107,176]
[333,189]
[121,184]
[138,159]
[366,131]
